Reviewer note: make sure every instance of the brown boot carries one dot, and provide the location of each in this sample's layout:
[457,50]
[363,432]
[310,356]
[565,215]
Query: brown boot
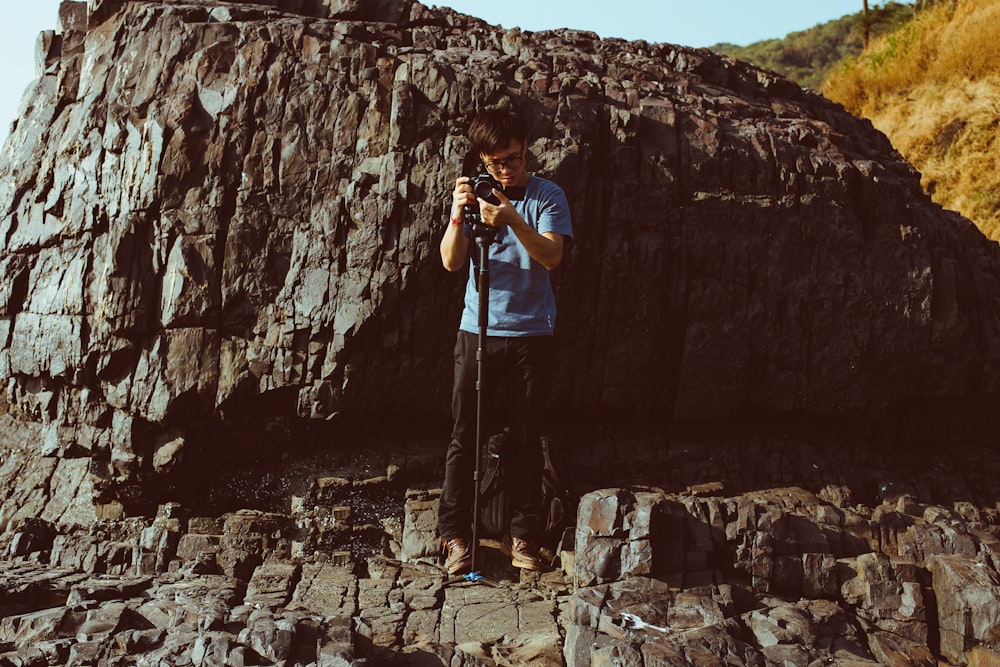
[524,555]
[459,556]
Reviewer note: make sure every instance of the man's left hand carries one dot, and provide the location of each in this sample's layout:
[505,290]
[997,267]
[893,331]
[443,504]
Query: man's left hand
[499,215]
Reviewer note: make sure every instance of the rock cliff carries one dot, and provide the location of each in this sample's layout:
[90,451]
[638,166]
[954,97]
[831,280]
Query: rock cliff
[219,226]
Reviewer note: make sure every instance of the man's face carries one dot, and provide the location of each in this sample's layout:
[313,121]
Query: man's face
[508,166]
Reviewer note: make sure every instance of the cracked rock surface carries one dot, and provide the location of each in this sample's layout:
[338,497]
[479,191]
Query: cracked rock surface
[225,348]
[869,562]
[219,226]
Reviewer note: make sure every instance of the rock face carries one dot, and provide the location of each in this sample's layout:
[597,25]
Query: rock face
[218,237]
[212,209]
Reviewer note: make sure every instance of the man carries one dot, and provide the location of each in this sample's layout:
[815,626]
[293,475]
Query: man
[530,234]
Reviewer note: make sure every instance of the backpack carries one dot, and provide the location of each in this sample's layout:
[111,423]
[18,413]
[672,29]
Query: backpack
[494,515]
[558,503]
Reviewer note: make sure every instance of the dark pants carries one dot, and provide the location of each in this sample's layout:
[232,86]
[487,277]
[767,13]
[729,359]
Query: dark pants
[521,369]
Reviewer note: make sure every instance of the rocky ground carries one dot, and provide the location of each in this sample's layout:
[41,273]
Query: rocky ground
[873,558]
[333,613]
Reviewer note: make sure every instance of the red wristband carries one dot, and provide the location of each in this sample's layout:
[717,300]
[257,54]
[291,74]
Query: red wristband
[456,221]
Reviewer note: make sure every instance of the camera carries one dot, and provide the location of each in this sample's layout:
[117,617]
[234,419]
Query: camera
[483,186]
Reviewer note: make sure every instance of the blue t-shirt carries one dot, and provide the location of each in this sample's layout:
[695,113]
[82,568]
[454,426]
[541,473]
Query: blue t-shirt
[521,299]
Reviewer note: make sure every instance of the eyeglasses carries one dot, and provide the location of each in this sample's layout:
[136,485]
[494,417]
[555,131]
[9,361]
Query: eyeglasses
[511,163]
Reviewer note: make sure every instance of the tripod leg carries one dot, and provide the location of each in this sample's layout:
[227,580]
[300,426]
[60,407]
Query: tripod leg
[483,284]
[484,301]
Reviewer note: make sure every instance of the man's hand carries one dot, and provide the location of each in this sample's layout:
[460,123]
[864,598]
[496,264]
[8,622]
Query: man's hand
[546,249]
[500,215]
[454,243]
[461,197]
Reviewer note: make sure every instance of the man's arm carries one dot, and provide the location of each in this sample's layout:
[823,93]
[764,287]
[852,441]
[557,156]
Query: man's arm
[545,248]
[455,244]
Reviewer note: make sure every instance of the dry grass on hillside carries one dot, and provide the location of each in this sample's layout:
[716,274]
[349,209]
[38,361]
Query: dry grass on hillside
[933,87]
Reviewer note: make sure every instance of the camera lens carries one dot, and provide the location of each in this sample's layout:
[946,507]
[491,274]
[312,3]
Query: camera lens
[483,186]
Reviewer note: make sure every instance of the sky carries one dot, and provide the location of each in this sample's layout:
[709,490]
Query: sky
[698,23]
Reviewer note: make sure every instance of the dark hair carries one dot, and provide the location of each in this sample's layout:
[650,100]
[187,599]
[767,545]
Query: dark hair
[491,131]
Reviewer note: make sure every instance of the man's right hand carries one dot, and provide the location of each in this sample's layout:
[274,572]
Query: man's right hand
[454,243]
[462,196]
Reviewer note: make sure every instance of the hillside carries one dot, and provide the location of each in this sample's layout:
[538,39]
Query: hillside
[932,87]
[807,56]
